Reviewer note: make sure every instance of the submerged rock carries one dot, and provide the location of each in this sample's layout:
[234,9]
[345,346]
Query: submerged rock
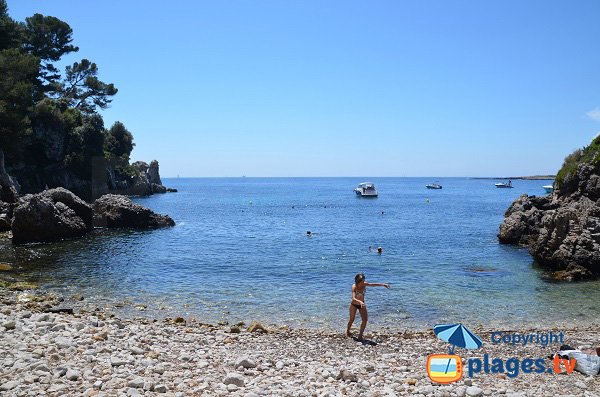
[115,211]
[52,215]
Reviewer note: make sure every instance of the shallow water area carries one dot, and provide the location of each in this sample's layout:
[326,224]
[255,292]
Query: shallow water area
[240,251]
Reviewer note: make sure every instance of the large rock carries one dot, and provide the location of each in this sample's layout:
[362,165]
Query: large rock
[145,182]
[112,210]
[153,175]
[562,230]
[52,215]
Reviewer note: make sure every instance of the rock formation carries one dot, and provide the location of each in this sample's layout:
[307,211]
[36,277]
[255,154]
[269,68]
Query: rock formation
[113,210]
[52,215]
[58,214]
[145,182]
[561,230]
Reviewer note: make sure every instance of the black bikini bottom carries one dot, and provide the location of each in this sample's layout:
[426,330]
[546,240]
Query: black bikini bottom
[356,306]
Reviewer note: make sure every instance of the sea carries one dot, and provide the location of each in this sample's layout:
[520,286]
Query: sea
[240,252]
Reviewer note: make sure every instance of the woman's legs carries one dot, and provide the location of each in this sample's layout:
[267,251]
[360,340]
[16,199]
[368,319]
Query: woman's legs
[351,321]
[364,315]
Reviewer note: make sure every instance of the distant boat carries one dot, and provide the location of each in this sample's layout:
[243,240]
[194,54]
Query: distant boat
[366,189]
[505,185]
[548,188]
[433,186]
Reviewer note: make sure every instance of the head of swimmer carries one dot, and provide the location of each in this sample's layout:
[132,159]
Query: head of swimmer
[359,279]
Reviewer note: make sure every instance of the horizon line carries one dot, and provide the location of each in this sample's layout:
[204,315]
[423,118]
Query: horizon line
[547,176]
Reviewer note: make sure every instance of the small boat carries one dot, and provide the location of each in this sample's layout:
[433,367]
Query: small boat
[366,189]
[548,188]
[433,186]
[505,185]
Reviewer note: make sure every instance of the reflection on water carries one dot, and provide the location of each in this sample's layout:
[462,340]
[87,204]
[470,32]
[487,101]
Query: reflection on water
[240,252]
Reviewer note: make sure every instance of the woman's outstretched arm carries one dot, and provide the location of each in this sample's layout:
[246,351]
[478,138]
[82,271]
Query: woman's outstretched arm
[377,285]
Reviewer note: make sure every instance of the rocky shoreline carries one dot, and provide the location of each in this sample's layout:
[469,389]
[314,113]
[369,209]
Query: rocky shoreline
[46,351]
[561,230]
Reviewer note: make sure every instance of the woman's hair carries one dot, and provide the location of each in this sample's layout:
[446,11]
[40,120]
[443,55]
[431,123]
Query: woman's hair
[359,277]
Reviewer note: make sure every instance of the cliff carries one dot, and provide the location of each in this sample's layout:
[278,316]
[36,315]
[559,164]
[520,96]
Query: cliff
[562,230]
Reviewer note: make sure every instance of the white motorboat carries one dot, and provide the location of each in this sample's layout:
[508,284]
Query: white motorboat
[548,188]
[505,185]
[366,189]
[433,186]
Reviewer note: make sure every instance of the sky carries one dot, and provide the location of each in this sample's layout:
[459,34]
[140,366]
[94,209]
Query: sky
[344,88]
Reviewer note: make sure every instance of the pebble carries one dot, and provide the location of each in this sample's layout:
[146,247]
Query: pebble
[9,385]
[160,388]
[56,355]
[72,374]
[136,350]
[235,379]
[137,383]
[581,385]
[8,325]
[245,362]
[473,391]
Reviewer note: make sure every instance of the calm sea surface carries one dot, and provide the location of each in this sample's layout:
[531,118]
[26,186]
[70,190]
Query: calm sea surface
[240,252]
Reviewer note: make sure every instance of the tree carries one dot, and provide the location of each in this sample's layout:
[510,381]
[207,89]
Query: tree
[84,90]
[10,31]
[119,142]
[84,144]
[48,38]
[18,72]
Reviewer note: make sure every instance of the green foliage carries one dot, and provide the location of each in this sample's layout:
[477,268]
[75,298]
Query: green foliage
[85,143]
[10,31]
[46,119]
[119,142]
[125,172]
[84,90]
[53,115]
[48,38]
[18,73]
[589,155]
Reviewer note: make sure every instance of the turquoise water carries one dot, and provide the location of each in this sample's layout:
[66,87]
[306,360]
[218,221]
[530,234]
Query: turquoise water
[240,252]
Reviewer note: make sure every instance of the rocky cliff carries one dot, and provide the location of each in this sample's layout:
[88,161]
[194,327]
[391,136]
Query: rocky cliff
[36,176]
[562,230]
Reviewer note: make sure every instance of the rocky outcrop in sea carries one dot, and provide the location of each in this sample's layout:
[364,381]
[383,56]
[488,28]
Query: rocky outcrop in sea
[561,230]
[58,214]
[145,182]
[118,211]
[52,215]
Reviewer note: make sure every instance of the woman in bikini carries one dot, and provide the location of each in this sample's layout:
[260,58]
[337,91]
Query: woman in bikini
[358,302]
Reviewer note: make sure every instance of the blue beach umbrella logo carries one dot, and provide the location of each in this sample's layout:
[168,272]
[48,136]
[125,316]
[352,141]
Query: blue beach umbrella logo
[458,336]
[447,368]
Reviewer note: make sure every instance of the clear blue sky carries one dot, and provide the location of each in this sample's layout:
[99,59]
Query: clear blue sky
[344,88]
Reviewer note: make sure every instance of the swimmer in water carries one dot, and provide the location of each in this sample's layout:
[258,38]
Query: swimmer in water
[359,288]
[379,250]
[308,233]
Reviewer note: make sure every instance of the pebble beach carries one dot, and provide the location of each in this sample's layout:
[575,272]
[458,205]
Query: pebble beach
[93,353]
